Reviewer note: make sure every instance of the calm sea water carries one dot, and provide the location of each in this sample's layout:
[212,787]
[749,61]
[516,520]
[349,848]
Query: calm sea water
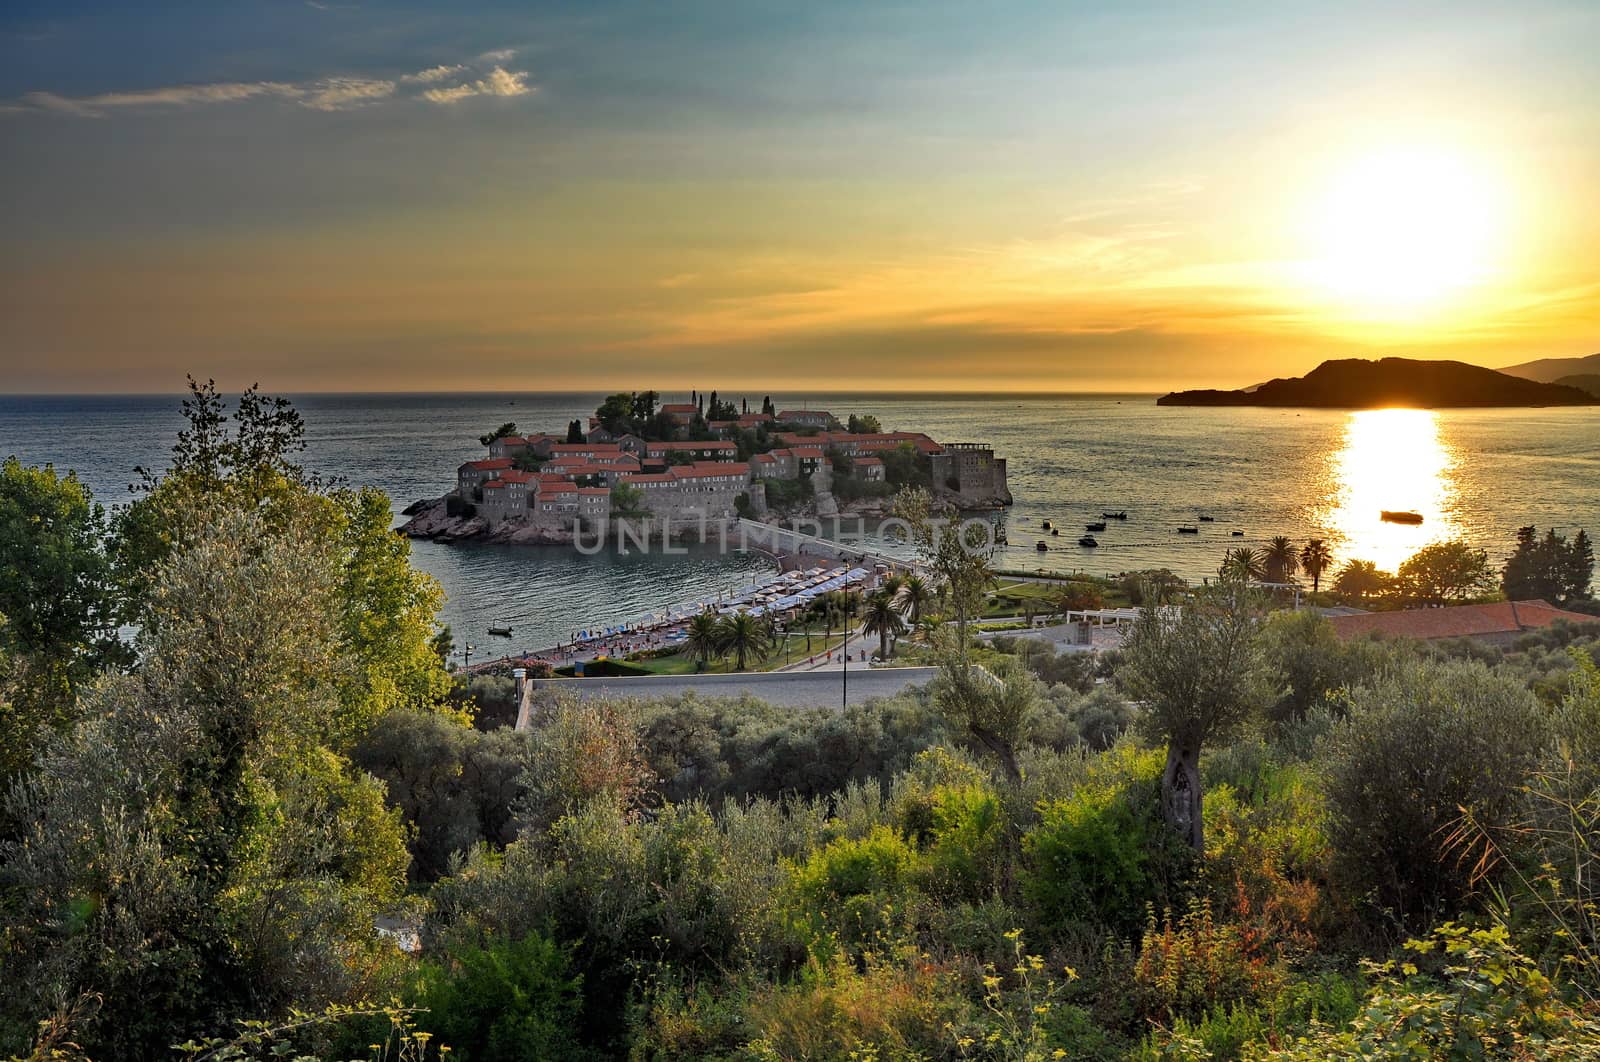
[1476,474]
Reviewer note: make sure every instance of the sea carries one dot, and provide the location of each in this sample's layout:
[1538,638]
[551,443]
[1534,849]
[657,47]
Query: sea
[1471,474]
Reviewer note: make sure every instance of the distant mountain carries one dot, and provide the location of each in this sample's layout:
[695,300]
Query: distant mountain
[1587,381]
[1355,383]
[1551,370]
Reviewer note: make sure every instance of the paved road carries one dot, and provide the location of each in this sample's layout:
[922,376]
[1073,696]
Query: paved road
[806,689]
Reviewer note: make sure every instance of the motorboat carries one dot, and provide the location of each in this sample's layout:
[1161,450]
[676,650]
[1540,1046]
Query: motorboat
[1120,515]
[1405,516]
[1045,525]
[1087,540]
[1237,534]
[1207,519]
[1056,531]
[1188,530]
[1101,526]
[500,632]
[1041,547]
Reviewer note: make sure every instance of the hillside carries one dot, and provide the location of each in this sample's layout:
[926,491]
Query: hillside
[1551,370]
[1355,383]
[1588,381]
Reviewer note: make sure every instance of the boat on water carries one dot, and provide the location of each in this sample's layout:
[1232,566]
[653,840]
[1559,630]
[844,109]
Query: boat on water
[1119,515]
[1045,525]
[1237,534]
[1056,531]
[500,632]
[1403,516]
[1041,547]
[1207,519]
[1101,526]
[1088,540]
[1188,530]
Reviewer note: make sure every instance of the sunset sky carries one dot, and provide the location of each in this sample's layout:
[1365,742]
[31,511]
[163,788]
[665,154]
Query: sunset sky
[334,196]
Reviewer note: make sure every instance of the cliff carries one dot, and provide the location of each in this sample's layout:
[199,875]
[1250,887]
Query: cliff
[1355,383]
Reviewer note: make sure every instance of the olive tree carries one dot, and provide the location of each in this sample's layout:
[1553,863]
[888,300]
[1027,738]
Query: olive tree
[1199,671]
[957,556]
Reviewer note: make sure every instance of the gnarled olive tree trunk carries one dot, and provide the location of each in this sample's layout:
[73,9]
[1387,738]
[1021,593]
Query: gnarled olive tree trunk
[1180,795]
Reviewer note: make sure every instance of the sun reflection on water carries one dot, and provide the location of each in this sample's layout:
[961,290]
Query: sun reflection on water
[1391,459]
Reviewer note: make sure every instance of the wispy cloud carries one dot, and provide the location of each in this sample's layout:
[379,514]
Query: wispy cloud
[323,94]
[497,82]
[435,73]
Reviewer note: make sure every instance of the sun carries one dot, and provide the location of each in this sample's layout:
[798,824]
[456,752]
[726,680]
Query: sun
[1404,228]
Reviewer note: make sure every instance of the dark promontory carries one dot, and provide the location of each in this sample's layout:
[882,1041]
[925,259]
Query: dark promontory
[1354,383]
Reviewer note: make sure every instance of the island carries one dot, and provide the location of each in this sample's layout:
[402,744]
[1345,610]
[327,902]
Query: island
[685,465]
[1356,383]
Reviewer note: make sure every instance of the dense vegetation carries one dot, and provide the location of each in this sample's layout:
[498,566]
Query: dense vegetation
[1240,838]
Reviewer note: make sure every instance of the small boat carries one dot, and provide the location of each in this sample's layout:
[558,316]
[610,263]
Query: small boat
[501,632]
[1188,530]
[1101,526]
[1207,519]
[1121,515]
[1056,531]
[1087,540]
[1390,516]
[1045,525]
[1238,534]
[1041,547]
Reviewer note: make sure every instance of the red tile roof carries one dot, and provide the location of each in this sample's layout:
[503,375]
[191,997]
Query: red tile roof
[1457,621]
[868,461]
[491,465]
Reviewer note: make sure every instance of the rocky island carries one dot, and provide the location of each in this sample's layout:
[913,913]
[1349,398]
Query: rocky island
[686,465]
[1355,383]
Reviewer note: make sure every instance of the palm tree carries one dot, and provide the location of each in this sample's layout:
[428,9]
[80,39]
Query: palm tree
[915,594]
[1243,563]
[703,638]
[744,636]
[1315,559]
[1281,558]
[1360,579]
[893,584]
[883,619]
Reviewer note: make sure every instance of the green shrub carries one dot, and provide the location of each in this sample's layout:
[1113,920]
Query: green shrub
[1481,999]
[1102,854]
[507,1002]
[1420,745]
[856,890]
[964,856]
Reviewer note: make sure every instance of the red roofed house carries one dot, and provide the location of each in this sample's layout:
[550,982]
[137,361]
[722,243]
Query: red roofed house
[682,412]
[1499,622]
[867,468]
[473,473]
